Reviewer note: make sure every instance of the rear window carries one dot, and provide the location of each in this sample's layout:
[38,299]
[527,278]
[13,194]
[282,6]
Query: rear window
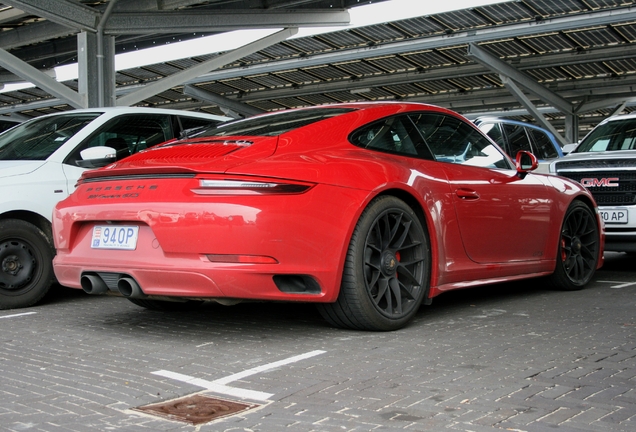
[274,124]
[611,136]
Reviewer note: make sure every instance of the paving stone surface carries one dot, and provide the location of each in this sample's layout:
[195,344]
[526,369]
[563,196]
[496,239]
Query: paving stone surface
[511,357]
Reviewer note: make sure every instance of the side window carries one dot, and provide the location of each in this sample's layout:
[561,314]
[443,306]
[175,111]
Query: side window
[127,134]
[600,145]
[543,144]
[493,130]
[517,139]
[452,140]
[392,135]
[629,143]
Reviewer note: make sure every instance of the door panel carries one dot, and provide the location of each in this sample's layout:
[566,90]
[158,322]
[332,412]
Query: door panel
[501,217]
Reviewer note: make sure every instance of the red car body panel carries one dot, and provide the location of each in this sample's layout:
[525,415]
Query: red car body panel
[199,244]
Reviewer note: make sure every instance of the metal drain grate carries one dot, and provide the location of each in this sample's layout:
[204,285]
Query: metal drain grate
[196,409]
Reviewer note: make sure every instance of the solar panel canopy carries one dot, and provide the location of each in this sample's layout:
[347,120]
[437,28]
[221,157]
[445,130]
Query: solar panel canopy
[574,61]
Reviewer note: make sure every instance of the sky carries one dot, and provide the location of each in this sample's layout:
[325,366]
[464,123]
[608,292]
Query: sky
[376,13]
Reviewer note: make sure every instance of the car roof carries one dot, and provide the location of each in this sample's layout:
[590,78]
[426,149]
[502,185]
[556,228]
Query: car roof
[507,120]
[137,110]
[406,106]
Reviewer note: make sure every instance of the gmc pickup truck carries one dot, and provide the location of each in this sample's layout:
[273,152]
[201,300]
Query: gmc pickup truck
[605,163]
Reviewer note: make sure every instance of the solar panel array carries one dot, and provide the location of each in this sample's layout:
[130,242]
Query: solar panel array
[442,75]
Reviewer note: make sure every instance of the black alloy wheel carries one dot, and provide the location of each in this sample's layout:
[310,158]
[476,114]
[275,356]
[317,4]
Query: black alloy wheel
[578,249]
[26,268]
[386,272]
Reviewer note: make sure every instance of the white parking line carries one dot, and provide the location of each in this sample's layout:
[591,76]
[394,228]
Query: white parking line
[621,284]
[18,315]
[216,388]
[219,386]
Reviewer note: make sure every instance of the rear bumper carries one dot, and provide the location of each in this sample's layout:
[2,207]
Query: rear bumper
[195,283]
[194,275]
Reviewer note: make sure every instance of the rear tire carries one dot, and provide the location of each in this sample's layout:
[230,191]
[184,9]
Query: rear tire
[386,271]
[578,249]
[26,264]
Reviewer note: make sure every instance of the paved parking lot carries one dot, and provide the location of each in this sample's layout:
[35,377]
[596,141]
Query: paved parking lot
[511,357]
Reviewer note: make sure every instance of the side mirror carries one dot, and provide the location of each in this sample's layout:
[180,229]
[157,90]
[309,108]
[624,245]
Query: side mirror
[525,162]
[96,157]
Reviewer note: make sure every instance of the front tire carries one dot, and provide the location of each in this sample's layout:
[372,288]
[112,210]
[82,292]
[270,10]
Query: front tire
[26,264]
[386,271]
[578,249]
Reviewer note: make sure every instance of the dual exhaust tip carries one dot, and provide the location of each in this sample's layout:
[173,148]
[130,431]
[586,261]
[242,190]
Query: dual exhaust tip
[125,285]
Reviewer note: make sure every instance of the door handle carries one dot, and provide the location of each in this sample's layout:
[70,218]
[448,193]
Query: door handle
[467,194]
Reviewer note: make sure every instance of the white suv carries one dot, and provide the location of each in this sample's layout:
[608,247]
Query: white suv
[40,162]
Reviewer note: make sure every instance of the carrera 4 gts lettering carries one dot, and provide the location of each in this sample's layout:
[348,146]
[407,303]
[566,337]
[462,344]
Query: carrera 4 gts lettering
[103,196]
[600,182]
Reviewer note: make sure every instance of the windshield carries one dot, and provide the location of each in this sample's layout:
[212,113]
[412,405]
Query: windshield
[611,136]
[39,138]
[274,124]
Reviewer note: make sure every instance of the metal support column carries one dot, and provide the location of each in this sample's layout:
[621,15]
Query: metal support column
[572,128]
[91,80]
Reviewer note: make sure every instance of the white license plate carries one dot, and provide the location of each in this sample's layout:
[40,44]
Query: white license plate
[614,216]
[114,237]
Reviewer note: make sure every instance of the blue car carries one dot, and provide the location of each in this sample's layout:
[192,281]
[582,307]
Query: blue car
[512,136]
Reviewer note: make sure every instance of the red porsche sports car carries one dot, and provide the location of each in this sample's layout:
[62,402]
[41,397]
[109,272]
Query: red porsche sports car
[366,209]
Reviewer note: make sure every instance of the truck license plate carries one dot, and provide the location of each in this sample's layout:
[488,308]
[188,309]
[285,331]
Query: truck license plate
[614,216]
[115,237]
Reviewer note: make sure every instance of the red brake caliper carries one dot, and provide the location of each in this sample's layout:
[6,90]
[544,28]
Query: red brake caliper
[564,254]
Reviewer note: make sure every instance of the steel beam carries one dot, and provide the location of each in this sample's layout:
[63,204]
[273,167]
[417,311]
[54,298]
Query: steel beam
[203,67]
[149,5]
[499,66]
[472,101]
[70,14]
[216,21]
[619,108]
[213,98]
[525,102]
[41,79]
[603,103]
